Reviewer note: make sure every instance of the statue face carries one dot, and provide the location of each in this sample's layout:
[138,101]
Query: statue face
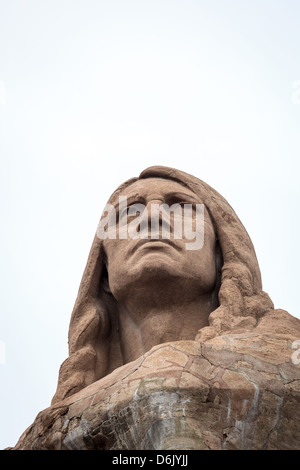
[161,263]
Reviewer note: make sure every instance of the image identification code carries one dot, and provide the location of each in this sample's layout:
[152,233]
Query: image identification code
[172,460]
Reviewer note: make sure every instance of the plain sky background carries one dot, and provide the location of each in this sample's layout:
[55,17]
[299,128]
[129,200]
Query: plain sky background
[91,93]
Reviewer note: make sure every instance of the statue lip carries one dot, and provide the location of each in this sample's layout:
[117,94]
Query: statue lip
[155,241]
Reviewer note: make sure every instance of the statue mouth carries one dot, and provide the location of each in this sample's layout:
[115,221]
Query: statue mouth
[156,243]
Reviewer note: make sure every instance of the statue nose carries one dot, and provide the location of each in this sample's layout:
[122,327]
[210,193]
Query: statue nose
[158,223]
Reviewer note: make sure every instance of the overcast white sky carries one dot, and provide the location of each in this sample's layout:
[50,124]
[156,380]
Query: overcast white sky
[91,93]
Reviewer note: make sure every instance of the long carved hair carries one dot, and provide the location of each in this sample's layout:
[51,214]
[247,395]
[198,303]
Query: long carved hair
[94,345]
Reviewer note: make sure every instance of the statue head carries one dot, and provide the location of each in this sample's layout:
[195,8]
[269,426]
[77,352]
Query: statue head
[139,290]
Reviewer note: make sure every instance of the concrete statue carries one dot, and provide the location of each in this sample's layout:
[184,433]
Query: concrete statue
[173,344]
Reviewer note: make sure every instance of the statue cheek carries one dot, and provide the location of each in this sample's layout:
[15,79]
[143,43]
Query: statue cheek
[205,268]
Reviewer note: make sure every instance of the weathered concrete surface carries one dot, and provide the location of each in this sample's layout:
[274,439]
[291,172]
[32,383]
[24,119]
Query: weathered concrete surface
[234,392]
[171,348]
[133,297]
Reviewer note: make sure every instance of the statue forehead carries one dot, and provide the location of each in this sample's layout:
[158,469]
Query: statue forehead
[156,186]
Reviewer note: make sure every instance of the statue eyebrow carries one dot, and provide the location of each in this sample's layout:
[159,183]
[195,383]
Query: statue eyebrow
[170,198]
[135,199]
[178,196]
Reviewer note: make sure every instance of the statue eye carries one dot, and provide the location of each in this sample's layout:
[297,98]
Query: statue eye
[135,210]
[123,213]
[129,212]
[183,203]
